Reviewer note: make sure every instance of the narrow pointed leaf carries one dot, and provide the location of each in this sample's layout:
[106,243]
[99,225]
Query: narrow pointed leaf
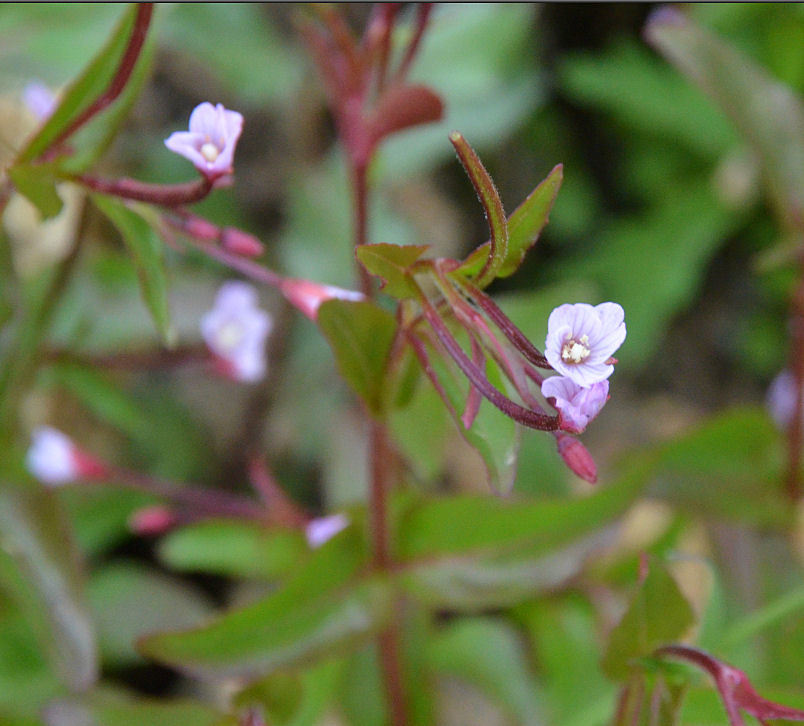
[35,536]
[392,263]
[492,206]
[85,89]
[360,335]
[766,112]
[146,251]
[524,227]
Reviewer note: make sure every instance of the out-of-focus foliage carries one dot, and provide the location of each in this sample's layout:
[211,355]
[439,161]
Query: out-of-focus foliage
[534,610]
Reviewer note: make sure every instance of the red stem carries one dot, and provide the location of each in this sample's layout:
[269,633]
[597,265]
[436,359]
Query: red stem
[422,18]
[124,71]
[165,195]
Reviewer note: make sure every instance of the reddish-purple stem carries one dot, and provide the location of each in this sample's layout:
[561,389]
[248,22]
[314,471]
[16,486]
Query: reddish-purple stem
[165,195]
[422,19]
[121,77]
[476,377]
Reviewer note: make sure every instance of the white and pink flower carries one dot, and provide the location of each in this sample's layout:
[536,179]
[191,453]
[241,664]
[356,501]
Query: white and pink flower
[582,338]
[54,459]
[308,296]
[210,143]
[323,529]
[576,405]
[235,331]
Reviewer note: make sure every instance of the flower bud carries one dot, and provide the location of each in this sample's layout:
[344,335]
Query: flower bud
[577,458]
[307,295]
[323,529]
[54,459]
[152,521]
[241,243]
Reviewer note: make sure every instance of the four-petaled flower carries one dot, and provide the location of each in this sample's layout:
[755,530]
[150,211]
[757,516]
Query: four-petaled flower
[323,529]
[210,142]
[581,339]
[576,405]
[235,331]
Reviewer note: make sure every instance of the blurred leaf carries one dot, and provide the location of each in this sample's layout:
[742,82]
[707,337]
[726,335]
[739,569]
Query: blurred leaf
[146,251]
[113,710]
[38,185]
[235,549]
[524,226]
[130,600]
[361,692]
[404,106]
[649,700]
[631,85]
[245,39]
[768,115]
[730,466]
[477,58]
[471,525]
[36,536]
[392,263]
[360,334]
[83,91]
[658,614]
[320,609]
[490,655]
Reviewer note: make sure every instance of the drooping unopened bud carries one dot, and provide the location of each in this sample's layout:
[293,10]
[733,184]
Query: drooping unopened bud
[323,529]
[577,405]
[54,459]
[577,457]
[308,296]
[240,242]
[152,521]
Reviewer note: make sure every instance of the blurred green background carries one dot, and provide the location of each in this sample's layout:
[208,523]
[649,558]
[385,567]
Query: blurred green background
[662,210]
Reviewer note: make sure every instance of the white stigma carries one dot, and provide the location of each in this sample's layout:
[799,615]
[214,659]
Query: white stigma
[210,152]
[230,335]
[576,351]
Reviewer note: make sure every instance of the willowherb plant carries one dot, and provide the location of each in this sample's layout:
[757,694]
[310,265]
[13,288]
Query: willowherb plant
[353,590]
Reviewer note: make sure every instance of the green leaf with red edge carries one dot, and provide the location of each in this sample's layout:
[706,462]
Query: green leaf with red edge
[492,206]
[392,264]
[767,113]
[360,335]
[658,614]
[524,227]
[325,607]
[146,252]
[47,577]
[38,185]
[85,89]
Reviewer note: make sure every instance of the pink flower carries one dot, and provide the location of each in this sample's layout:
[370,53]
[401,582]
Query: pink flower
[576,405]
[54,459]
[308,296]
[235,331]
[323,529]
[39,99]
[581,339]
[781,399]
[210,142]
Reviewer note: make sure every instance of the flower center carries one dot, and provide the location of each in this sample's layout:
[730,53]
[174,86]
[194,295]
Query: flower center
[576,351]
[210,152]
[230,336]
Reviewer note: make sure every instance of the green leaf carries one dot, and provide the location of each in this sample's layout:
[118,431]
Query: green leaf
[524,227]
[130,600]
[471,525]
[36,537]
[492,206]
[146,251]
[768,115]
[490,655]
[235,549]
[392,264]
[85,89]
[38,185]
[320,610]
[360,334]
[658,614]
